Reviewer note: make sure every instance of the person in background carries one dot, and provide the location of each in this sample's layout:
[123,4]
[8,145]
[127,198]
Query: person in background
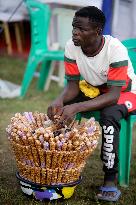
[103,63]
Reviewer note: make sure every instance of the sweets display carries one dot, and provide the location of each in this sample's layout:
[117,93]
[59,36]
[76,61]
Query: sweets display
[48,152]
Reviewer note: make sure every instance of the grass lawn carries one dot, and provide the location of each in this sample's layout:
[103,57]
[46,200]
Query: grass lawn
[10,193]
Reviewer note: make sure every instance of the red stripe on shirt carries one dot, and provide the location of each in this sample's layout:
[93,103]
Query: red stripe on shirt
[71,69]
[118,73]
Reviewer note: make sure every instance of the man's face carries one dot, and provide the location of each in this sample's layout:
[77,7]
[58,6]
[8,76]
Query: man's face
[84,32]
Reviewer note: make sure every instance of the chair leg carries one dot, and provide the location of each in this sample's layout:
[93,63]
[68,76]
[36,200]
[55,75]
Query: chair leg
[79,117]
[125,152]
[18,37]
[30,69]
[61,73]
[44,74]
[7,38]
[50,76]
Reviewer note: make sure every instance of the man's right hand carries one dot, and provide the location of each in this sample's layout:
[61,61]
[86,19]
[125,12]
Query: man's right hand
[54,108]
[69,93]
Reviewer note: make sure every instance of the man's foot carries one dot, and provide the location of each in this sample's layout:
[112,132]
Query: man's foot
[107,184]
[109,192]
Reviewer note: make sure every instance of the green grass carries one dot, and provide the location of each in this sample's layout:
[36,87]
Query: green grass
[10,193]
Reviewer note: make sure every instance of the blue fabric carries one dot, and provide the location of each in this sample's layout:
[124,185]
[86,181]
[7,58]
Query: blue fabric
[107,10]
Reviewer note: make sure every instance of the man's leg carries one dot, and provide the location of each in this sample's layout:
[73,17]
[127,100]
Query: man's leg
[110,123]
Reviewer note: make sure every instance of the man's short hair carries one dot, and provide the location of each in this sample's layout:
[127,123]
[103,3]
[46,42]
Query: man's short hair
[94,14]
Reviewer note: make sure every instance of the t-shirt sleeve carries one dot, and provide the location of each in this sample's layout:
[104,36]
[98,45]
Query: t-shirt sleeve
[118,66]
[71,68]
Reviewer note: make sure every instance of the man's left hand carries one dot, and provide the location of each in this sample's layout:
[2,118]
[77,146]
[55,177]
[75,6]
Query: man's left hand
[67,112]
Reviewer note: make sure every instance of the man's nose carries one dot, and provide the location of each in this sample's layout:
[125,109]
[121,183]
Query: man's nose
[75,31]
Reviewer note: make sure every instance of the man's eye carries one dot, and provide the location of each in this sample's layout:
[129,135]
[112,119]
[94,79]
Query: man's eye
[81,29]
[78,28]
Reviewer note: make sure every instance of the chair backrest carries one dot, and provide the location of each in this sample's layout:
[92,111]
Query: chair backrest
[39,18]
[130,44]
[64,23]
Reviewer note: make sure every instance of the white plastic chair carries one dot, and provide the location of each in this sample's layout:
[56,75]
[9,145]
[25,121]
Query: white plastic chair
[63,18]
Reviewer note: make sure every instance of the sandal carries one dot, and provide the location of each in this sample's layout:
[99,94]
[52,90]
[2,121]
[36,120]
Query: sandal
[114,189]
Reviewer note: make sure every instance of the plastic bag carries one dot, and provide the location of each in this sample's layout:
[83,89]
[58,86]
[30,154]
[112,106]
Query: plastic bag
[8,89]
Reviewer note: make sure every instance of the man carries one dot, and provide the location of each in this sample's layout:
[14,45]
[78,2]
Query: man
[104,63]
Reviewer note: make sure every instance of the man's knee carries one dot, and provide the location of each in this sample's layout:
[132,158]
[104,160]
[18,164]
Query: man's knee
[113,113]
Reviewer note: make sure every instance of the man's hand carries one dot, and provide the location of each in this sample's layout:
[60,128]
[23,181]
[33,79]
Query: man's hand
[69,93]
[68,112]
[54,108]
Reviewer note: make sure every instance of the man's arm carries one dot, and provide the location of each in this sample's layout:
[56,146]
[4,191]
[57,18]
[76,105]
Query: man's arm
[70,91]
[97,103]
[107,99]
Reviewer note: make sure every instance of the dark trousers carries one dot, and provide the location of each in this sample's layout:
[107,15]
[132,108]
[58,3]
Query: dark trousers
[110,117]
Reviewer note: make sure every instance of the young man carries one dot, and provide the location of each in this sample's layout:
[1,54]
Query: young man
[104,63]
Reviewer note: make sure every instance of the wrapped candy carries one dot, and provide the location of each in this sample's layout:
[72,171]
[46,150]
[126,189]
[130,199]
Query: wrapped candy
[46,137]
[25,140]
[31,141]
[68,176]
[60,156]
[35,156]
[17,150]
[33,174]
[41,138]
[64,160]
[48,159]
[41,153]
[64,147]
[30,156]
[38,119]
[59,145]
[60,174]
[52,146]
[69,146]
[64,176]
[49,176]
[54,176]
[54,159]
[37,175]
[43,176]
[20,168]
[71,173]
[27,172]
[46,146]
